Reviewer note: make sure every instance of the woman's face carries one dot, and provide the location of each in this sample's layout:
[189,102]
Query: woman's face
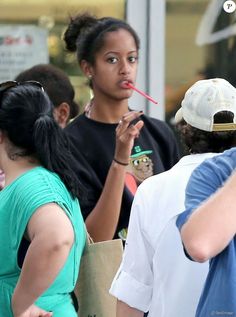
[115,63]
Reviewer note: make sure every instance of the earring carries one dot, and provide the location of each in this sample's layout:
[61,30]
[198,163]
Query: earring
[90,76]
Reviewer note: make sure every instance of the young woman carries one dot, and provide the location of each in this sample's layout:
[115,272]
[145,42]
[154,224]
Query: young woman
[41,227]
[120,149]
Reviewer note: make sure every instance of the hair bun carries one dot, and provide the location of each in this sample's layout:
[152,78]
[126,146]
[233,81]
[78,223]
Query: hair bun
[77,25]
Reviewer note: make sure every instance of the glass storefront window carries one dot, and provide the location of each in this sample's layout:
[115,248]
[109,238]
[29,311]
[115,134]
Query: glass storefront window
[53,15]
[200,43]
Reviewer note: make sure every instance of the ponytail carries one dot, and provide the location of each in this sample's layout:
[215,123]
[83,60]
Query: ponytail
[52,149]
[26,116]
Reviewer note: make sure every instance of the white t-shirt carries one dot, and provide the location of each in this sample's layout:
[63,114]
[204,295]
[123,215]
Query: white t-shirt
[155,274]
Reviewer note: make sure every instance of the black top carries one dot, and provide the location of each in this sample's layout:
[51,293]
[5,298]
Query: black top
[93,144]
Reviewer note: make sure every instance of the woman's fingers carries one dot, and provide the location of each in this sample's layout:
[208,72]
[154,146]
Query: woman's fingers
[45,314]
[132,114]
[139,125]
[125,121]
[126,132]
[134,130]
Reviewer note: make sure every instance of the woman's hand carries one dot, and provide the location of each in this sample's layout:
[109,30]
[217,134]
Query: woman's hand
[106,212]
[33,311]
[126,132]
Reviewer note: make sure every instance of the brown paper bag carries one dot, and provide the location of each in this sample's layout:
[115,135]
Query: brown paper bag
[99,265]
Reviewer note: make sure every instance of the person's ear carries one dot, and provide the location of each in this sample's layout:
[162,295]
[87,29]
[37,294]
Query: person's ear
[86,68]
[62,114]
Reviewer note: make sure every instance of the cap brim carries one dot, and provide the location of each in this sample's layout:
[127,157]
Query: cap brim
[179,115]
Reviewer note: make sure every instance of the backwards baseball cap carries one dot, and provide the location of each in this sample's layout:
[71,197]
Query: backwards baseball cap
[203,100]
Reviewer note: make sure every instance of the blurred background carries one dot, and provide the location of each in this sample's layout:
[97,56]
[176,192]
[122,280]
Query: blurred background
[198,40]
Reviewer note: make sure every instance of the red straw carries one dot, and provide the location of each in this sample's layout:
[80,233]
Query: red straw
[141,92]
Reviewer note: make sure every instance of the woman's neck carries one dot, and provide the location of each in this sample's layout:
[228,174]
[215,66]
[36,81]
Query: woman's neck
[14,169]
[108,112]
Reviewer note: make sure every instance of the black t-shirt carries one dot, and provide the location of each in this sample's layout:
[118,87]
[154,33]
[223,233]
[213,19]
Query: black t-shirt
[93,145]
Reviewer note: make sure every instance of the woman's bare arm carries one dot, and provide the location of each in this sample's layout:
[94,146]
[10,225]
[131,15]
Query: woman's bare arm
[102,221]
[51,234]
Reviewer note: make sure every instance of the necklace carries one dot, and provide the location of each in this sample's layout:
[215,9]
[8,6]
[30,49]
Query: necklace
[88,109]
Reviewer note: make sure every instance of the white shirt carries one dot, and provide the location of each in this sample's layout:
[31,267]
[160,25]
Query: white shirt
[155,274]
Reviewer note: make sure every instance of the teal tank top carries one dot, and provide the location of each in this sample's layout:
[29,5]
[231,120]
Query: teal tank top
[19,200]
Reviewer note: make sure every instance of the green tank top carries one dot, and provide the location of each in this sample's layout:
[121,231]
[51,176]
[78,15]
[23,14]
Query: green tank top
[19,200]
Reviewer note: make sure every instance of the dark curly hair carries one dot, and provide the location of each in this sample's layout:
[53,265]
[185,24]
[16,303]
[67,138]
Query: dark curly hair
[86,34]
[198,141]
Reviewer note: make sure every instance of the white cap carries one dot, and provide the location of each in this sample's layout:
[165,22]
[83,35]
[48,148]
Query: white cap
[203,100]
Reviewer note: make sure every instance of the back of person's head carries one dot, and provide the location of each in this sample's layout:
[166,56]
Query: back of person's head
[27,121]
[86,35]
[207,117]
[56,83]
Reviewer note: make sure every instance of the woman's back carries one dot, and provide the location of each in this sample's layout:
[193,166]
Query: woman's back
[19,201]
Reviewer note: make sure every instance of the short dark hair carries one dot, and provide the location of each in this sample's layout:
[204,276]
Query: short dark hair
[198,141]
[85,34]
[55,82]
[26,117]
